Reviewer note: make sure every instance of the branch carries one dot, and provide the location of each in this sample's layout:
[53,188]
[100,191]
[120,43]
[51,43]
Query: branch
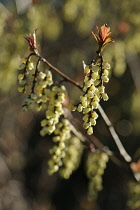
[114,134]
[103,114]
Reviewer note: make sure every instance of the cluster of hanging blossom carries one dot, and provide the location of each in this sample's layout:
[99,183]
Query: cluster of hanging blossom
[96,74]
[56,97]
[95,166]
[67,151]
[94,90]
[72,157]
[42,93]
[58,152]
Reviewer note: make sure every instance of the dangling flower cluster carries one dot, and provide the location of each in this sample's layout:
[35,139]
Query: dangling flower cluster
[38,82]
[56,97]
[94,90]
[43,89]
[42,94]
[58,152]
[133,201]
[25,68]
[72,158]
[95,166]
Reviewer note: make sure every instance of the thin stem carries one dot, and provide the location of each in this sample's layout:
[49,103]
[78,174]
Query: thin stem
[61,74]
[114,135]
[93,141]
[35,75]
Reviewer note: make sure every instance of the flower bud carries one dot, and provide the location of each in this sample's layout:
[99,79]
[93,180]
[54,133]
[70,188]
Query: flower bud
[101,89]
[95,76]
[90,130]
[105,78]
[42,75]
[73,108]
[30,66]
[105,96]
[93,121]
[106,72]
[21,77]
[86,125]
[94,104]
[94,115]
[86,110]
[80,108]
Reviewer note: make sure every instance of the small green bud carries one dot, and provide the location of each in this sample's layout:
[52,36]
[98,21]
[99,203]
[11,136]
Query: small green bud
[95,76]
[43,84]
[94,104]
[21,77]
[33,96]
[101,89]
[96,98]
[49,82]
[84,104]
[30,66]
[30,106]
[21,89]
[61,145]
[106,65]
[86,125]
[86,70]
[56,138]
[55,168]
[90,130]
[105,96]
[44,122]
[105,78]
[86,110]
[85,88]
[88,83]
[25,108]
[58,151]
[95,68]
[90,94]
[97,82]
[94,115]
[51,128]
[73,108]
[106,72]
[22,82]
[83,98]
[86,79]
[38,108]
[86,118]
[80,108]
[22,66]
[92,88]
[93,121]
[42,75]
[27,100]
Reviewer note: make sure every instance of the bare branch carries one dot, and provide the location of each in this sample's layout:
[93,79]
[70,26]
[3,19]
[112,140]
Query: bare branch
[114,135]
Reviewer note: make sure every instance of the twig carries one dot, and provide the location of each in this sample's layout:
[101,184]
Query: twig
[61,74]
[97,143]
[35,75]
[114,134]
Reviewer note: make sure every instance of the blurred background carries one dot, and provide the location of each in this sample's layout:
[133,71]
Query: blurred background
[64,36]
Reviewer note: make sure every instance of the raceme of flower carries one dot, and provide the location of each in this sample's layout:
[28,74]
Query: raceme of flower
[96,74]
[95,166]
[43,94]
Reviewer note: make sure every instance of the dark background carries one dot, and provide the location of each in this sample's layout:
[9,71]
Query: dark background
[64,36]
